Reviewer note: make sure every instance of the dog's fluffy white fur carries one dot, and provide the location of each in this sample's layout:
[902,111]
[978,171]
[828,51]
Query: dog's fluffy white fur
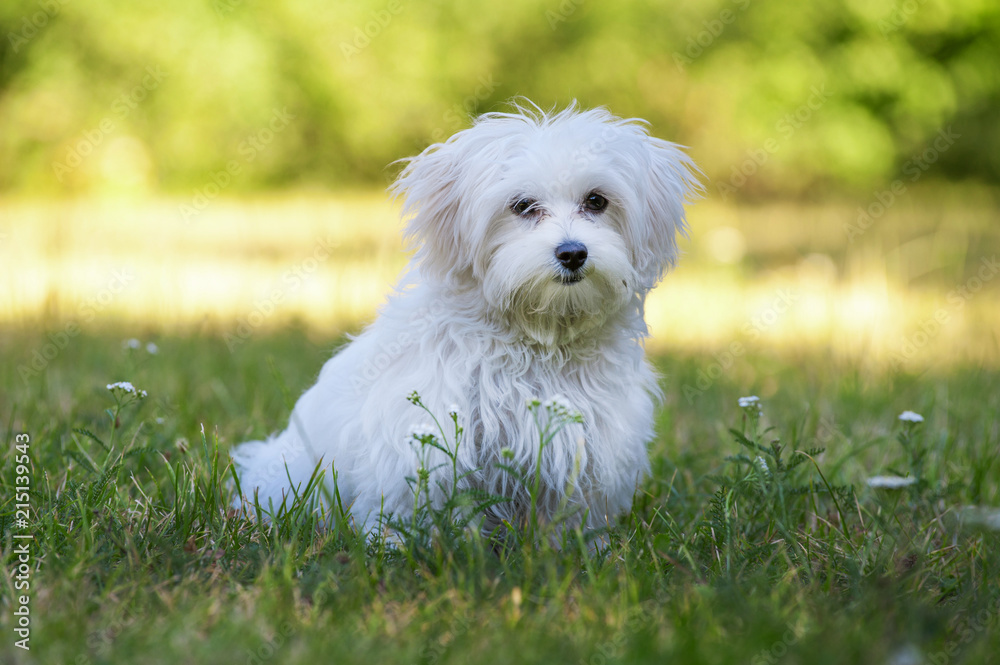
[537,237]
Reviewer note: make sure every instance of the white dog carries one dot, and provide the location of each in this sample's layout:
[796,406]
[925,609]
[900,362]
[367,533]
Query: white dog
[537,239]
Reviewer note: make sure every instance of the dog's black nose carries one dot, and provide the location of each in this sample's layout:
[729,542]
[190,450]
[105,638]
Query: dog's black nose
[572,255]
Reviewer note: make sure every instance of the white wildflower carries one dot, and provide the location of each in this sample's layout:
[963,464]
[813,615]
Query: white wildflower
[559,405]
[126,387]
[911,417]
[453,411]
[533,402]
[890,482]
[745,402]
[418,432]
[762,464]
[152,348]
[132,343]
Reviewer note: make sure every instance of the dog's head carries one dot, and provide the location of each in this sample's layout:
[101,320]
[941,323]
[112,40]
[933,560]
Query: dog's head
[558,220]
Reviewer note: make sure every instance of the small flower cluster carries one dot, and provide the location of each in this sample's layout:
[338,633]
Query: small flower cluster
[911,417]
[133,343]
[750,404]
[421,432]
[557,405]
[126,387]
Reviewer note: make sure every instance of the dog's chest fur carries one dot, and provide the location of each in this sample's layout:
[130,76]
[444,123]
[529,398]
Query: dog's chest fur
[490,375]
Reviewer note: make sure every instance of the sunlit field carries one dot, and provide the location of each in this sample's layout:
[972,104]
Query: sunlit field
[914,287]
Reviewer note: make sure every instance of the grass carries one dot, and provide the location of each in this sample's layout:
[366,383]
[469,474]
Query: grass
[136,557]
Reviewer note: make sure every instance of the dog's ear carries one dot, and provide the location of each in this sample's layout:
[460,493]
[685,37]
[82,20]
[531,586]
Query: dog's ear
[668,180]
[431,187]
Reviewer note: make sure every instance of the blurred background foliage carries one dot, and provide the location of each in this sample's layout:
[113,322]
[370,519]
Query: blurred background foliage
[152,97]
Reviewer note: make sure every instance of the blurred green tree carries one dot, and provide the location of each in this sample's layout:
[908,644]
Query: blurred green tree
[776,97]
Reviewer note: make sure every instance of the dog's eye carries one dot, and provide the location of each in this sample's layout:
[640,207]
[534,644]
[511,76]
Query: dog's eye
[595,202]
[523,206]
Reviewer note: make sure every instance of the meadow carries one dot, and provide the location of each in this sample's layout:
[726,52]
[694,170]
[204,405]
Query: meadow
[758,538]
